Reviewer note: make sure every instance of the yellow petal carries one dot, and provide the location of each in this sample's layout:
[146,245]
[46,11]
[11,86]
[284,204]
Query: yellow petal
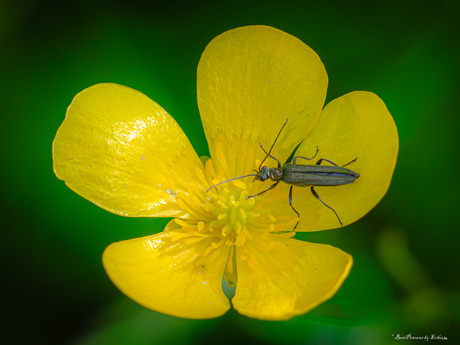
[356,125]
[170,277]
[289,281]
[250,80]
[122,151]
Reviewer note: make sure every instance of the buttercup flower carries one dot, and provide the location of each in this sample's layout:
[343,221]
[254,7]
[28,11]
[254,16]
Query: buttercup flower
[123,152]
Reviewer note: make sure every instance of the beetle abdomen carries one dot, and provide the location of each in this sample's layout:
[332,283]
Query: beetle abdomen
[318,175]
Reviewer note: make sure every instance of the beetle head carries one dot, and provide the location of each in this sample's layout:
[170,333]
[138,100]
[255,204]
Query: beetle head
[262,175]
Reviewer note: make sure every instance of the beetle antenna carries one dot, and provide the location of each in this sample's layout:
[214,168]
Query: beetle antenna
[269,151]
[234,178]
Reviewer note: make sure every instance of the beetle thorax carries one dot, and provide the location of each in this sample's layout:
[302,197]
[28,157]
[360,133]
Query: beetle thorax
[275,174]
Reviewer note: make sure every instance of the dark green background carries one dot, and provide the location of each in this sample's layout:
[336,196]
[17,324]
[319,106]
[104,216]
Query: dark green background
[405,278]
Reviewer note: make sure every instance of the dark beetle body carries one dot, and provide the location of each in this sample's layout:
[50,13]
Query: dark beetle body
[301,175]
[317,175]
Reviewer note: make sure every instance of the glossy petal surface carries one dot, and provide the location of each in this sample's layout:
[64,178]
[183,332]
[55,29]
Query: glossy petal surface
[250,80]
[172,277]
[356,125]
[289,281]
[122,151]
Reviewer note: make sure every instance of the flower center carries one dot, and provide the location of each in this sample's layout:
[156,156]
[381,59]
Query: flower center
[225,216]
[233,213]
[235,218]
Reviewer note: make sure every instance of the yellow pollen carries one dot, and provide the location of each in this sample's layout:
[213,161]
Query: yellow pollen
[231,212]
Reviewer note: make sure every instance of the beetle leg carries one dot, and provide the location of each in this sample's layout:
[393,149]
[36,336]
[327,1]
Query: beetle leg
[271,187]
[295,158]
[329,207]
[350,162]
[290,204]
[279,163]
[323,159]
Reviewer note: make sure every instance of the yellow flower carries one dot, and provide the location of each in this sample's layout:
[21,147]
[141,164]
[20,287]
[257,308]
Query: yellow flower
[123,152]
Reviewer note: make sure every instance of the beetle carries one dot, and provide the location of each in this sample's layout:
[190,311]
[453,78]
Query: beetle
[301,175]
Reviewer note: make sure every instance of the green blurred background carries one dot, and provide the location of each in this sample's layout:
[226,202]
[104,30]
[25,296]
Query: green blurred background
[405,278]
